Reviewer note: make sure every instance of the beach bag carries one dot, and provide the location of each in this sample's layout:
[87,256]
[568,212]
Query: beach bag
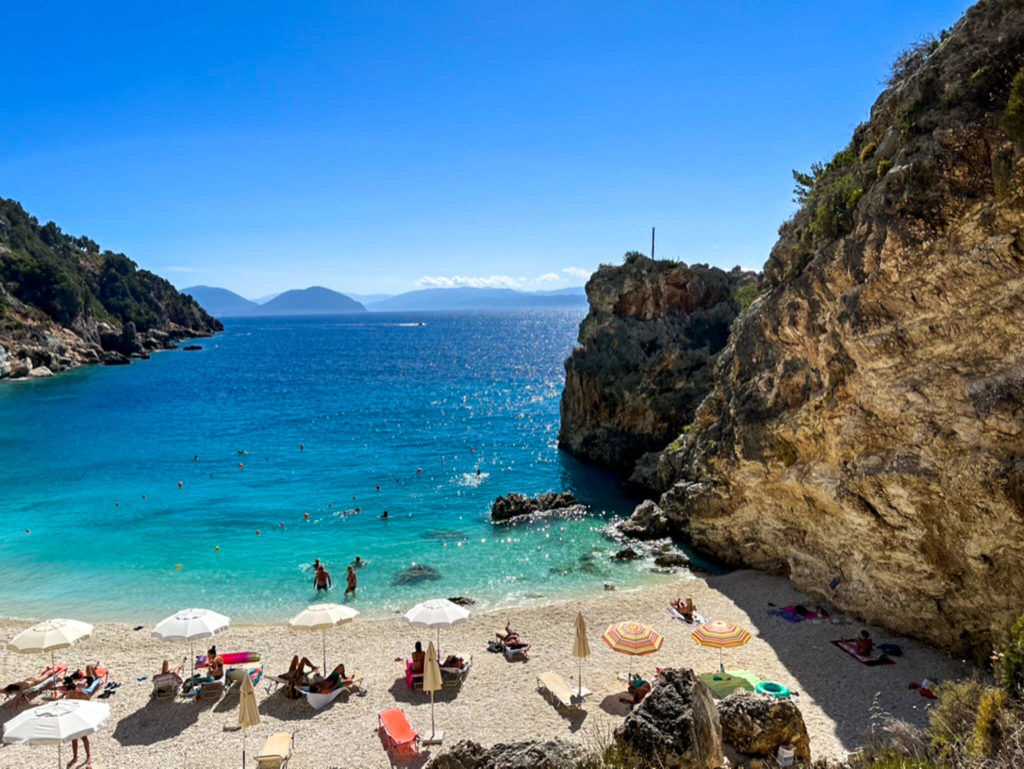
[893,650]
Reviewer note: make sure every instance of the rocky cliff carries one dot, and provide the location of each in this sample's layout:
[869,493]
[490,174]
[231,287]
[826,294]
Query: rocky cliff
[645,354]
[64,303]
[864,432]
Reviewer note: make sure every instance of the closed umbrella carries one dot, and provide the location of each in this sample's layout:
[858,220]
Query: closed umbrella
[56,723]
[49,636]
[248,713]
[632,639]
[720,635]
[432,683]
[322,617]
[437,613]
[189,625]
[580,647]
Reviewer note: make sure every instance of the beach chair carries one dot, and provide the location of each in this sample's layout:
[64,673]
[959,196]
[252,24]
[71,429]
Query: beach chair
[254,670]
[452,677]
[24,691]
[512,652]
[276,752]
[560,691]
[210,690]
[319,701]
[397,733]
[166,686]
[412,680]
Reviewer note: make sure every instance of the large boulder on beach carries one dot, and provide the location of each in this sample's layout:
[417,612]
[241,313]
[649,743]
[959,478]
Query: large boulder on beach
[757,724]
[676,726]
[517,505]
[549,754]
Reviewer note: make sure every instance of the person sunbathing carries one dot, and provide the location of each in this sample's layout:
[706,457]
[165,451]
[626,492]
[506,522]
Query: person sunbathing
[687,609]
[28,683]
[166,667]
[638,689]
[418,658]
[451,661]
[864,645]
[297,670]
[511,638]
[335,679]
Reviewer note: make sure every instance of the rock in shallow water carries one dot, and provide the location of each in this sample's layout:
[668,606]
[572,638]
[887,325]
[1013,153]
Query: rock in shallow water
[519,505]
[415,574]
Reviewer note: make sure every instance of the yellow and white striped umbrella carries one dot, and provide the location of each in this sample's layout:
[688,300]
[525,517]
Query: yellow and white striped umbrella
[720,635]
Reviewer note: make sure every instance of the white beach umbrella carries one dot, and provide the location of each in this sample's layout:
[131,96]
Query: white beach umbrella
[437,613]
[432,683]
[190,624]
[49,636]
[322,617]
[56,723]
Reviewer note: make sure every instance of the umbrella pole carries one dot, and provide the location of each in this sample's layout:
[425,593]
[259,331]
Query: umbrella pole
[325,652]
[60,757]
[192,656]
[431,714]
[721,660]
[243,748]
[579,679]
[438,648]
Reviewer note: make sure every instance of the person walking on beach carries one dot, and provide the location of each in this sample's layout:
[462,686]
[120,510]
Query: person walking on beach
[74,752]
[322,579]
[351,582]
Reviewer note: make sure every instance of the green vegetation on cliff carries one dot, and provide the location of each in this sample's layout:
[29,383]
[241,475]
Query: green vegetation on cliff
[67,278]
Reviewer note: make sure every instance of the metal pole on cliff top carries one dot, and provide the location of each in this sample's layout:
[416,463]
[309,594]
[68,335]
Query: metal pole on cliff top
[652,242]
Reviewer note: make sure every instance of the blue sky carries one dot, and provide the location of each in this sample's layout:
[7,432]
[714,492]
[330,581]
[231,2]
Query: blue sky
[380,147]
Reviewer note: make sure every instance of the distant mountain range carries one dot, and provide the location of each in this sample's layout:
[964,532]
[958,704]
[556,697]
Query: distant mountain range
[317,300]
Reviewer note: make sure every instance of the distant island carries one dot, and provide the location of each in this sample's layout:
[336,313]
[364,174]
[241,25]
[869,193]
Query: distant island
[316,300]
[64,302]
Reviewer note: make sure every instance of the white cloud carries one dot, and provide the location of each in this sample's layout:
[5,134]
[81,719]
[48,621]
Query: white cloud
[490,281]
[547,277]
[576,272]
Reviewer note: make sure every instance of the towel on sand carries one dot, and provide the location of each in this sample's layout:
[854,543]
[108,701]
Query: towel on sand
[724,684]
[849,645]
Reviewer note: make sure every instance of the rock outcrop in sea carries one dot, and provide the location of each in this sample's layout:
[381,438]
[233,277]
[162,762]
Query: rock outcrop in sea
[645,355]
[862,425]
[517,506]
[64,303]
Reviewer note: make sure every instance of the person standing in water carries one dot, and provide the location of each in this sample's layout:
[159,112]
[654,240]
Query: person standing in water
[322,579]
[351,582]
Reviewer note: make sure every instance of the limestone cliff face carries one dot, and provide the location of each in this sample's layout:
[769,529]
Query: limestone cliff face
[865,430]
[644,361]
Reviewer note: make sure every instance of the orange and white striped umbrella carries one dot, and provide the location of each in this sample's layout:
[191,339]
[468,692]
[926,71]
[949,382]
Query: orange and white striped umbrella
[720,634]
[632,638]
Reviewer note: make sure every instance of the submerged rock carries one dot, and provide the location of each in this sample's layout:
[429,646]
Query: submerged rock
[461,600]
[414,574]
[757,724]
[676,725]
[626,554]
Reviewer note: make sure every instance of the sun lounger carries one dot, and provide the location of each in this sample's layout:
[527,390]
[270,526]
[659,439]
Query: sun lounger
[452,677]
[254,670]
[559,690]
[166,686]
[511,652]
[276,752]
[207,690]
[320,700]
[27,690]
[397,733]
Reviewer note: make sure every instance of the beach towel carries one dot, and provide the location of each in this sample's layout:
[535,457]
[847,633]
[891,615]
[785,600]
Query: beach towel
[698,619]
[849,645]
[724,684]
[792,614]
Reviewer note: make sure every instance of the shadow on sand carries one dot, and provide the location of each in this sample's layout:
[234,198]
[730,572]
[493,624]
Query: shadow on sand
[156,722]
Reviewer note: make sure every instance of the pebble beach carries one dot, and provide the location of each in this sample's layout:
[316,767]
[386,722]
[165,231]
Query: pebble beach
[499,701]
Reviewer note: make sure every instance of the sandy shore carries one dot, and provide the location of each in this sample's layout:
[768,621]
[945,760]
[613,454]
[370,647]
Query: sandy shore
[499,701]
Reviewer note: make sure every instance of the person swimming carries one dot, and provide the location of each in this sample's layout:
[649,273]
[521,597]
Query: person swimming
[384,515]
[358,562]
[351,589]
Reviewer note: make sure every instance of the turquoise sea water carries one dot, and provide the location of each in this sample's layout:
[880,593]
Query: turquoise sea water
[91,461]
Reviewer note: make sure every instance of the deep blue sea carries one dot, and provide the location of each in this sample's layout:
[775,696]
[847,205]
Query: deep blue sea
[186,480]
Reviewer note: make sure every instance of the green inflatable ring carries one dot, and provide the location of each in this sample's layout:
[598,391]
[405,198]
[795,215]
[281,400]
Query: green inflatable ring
[773,689]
